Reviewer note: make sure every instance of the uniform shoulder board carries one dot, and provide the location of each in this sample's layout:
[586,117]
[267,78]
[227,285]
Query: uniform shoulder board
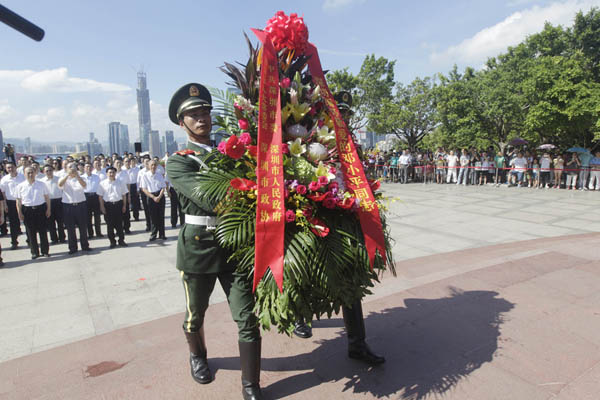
[185,152]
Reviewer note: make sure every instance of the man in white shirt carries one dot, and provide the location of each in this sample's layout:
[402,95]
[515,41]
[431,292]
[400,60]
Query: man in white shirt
[123,176]
[112,193]
[133,170]
[452,160]
[33,207]
[91,200]
[465,160]
[519,165]
[143,197]
[56,226]
[9,184]
[74,208]
[403,164]
[154,186]
[98,170]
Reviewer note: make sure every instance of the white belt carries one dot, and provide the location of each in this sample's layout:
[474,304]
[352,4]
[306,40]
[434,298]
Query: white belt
[201,220]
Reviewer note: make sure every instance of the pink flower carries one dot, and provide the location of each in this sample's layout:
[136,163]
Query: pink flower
[323,180]
[314,186]
[332,170]
[245,138]
[286,82]
[307,212]
[290,216]
[334,185]
[301,189]
[330,202]
[285,148]
[221,147]
[243,124]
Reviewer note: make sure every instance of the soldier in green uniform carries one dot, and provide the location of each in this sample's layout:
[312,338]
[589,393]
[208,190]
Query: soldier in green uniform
[353,316]
[199,258]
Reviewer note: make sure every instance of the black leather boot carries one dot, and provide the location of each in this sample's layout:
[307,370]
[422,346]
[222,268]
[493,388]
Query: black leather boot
[198,362]
[250,363]
[355,329]
[302,330]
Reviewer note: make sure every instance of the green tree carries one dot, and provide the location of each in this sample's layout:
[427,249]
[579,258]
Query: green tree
[373,84]
[410,114]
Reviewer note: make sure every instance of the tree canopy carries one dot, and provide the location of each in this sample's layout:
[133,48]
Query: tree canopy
[545,90]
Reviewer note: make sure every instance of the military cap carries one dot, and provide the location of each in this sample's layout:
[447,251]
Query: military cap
[188,97]
[343,100]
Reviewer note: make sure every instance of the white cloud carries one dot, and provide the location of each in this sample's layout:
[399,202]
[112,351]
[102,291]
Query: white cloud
[337,4]
[515,28]
[59,80]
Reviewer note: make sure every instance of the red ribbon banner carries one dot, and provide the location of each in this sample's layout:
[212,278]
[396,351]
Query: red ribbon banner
[270,207]
[354,175]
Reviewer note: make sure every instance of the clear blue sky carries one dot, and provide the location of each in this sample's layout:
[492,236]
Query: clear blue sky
[83,74]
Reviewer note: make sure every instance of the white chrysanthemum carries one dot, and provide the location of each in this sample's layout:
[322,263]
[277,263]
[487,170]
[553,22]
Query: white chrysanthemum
[297,131]
[317,152]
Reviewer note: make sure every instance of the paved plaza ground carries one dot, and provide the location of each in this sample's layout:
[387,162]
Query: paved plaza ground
[496,298]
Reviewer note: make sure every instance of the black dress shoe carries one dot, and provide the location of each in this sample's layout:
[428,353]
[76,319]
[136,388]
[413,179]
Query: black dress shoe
[361,351]
[100,235]
[112,246]
[46,255]
[152,238]
[14,246]
[122,244]
[163,238]
[34,256]
[200,370]
[302,330]
[71,252]
[148,229]
[88,249]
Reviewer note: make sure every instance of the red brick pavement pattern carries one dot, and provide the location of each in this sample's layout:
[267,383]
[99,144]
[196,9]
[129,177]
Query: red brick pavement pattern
[521,321]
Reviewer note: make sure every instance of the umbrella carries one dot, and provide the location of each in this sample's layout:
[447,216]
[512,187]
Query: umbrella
[578,150]
[546,146]
[517,142]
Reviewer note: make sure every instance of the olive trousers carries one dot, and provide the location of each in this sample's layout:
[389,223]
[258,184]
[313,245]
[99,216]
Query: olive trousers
[238,290]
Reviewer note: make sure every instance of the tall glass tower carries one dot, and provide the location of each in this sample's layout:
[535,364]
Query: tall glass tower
[143,102]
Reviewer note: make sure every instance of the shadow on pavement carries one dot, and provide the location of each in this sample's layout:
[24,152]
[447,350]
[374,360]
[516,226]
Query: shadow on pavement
[429,344]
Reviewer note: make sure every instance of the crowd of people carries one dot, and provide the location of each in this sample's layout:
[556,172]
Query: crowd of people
[516,167]
[70,195]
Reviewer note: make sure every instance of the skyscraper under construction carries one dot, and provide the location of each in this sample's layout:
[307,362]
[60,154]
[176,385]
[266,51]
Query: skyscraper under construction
[143,102]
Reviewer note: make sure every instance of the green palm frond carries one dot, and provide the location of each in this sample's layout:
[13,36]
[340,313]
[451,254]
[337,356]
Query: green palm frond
[213,185]
[224,102]
[236,229]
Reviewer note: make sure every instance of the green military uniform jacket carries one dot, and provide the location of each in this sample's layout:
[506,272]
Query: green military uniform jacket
[197,250]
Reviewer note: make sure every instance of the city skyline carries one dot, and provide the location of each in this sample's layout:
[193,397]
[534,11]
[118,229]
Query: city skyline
[81,76]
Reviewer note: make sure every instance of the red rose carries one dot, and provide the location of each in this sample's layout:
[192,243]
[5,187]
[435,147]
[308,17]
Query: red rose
[301,189]
[245,138]
[253,150]
[242,184]
[329,202]
[323,180]
[285,148]
[234,148]
[286,82]
[314,186]
[243,124]
[333,185]
[307,212]
[290,216]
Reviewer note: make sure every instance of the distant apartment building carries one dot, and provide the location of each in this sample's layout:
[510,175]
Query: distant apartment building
[118,138]
[154,144]
[170,143]
[124,138]
[143,103]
